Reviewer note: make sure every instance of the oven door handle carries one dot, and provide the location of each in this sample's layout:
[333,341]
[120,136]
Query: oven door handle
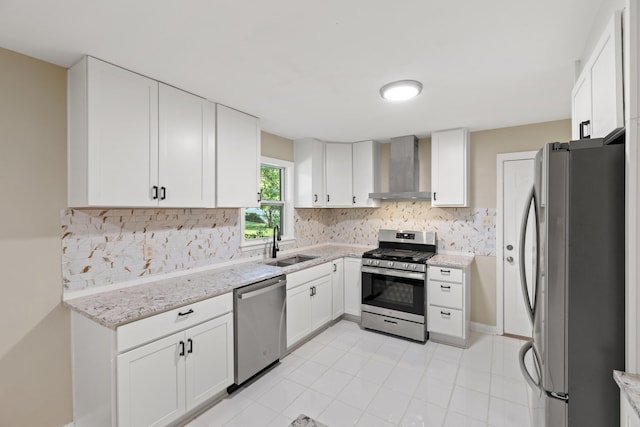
[394,273]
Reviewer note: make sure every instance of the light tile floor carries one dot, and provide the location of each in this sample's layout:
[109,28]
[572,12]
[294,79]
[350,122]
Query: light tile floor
[351,377]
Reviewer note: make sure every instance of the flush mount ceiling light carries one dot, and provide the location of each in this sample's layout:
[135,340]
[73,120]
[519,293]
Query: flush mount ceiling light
[401,90]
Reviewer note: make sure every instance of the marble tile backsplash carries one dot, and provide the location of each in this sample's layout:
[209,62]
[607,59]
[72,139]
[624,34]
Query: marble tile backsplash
[458,229]
[103,247]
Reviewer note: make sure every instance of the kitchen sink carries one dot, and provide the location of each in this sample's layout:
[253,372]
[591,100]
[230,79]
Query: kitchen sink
[285,262]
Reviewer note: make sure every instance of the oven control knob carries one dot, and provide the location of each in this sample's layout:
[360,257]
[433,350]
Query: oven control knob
[413,267]
[405,265]
[390,264]
[377,262]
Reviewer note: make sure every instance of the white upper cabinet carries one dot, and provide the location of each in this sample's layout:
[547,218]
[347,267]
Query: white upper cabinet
[338,174]
[238,156]
[597,97]
[135,142]
[308,156]
[113,136]
[450,168]
[366,173]
[186,149]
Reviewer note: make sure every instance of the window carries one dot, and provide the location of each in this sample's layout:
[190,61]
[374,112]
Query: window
[276,206]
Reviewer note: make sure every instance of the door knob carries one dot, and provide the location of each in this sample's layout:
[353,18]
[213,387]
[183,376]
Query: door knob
[509,247]
[509,259]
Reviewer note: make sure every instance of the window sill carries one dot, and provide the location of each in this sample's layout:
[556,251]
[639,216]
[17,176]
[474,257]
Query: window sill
[266,243]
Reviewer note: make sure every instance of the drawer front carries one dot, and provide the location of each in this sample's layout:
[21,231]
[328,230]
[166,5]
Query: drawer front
[446,321]
[446,274]
[446,294]
[149,329]
[298,278]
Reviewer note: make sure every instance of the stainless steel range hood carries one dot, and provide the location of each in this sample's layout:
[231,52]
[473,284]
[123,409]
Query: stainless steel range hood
[403,171]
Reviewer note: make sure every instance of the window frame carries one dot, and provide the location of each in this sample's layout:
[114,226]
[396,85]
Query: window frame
[287,206]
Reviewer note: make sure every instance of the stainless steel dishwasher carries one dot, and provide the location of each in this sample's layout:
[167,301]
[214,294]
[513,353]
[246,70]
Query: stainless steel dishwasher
[260,324]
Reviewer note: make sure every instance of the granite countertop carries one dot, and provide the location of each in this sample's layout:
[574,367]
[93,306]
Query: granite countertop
[117,307]
[630,385]
[453,261]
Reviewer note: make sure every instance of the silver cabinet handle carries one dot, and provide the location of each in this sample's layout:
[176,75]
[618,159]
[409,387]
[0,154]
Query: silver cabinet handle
[445,287]
[445,313]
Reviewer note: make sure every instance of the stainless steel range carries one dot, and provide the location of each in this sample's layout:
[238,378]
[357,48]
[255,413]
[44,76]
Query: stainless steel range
[394,278]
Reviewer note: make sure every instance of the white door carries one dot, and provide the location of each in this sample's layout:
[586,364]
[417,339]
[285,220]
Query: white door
[337,291]
[321,302]
[517,180]
[298,313]
[123,135]
[338,175]
[151,383]
[183,148]
[209,367]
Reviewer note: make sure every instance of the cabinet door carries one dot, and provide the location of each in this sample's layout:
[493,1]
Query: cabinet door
[298,313]
[337,284]
[209,367]
[184,148]
[151,383]
[338,175]
[450,168]
[122,136]
[352,286]
[238,159]
[308,156]
[581,106]
[606,81]
[366,173]
[321,302]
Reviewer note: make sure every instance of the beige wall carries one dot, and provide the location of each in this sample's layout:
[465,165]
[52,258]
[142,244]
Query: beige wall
[276,147]
[35,373]
[485,146]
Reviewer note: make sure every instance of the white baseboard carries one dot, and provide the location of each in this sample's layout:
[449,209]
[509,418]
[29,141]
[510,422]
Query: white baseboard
[71,424]
[483,329]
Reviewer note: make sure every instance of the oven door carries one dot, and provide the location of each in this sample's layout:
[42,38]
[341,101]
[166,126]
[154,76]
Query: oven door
[394,289]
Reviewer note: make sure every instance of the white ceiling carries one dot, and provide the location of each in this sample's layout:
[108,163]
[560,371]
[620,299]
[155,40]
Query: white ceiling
[314,68]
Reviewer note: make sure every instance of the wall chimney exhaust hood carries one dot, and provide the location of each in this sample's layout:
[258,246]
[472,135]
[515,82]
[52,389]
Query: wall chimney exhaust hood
[403,171]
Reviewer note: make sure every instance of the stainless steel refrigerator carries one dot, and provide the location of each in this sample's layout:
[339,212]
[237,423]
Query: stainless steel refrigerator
[577,210]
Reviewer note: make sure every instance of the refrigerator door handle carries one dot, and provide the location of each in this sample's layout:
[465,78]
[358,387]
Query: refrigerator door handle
[536,386]
[531,198]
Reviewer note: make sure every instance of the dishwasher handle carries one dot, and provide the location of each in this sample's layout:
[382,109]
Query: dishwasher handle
[267,288]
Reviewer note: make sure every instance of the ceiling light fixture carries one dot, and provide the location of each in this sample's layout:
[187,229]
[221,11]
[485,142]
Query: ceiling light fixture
[401,90]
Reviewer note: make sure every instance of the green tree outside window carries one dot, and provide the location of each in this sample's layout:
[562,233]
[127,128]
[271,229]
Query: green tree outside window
[259,222]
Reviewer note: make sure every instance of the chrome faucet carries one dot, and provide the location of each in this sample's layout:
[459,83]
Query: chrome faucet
[276,236]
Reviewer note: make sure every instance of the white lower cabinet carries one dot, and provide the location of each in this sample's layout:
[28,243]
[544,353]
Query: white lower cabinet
[151,382]
[628,416]
[448,305]
[352,286]
[337,284]
[154,371]
[309,301]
